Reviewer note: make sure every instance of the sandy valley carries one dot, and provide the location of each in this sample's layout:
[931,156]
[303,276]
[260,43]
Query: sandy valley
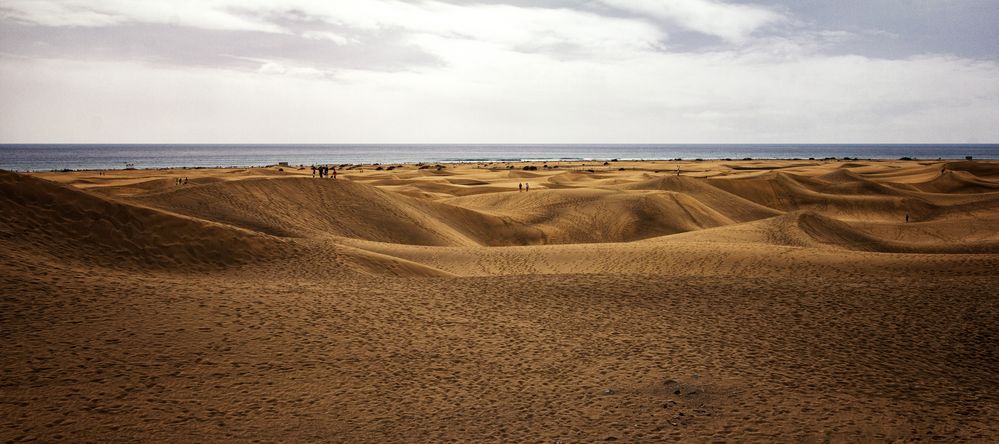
[630,301]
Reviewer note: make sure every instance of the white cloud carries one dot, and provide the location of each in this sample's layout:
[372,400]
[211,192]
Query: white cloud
[732,22]
[209,14]
[509,74]
[505,25]
[508,96]
[277,68]
[325,35]
[497,24]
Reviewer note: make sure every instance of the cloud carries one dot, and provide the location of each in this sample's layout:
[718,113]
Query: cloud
[498,24]
[731,22]
[326,35]
[96,13]
[314,38]
[432,71]
[509,96]
[162,45]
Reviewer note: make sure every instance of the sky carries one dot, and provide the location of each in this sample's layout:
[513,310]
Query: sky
[499,71]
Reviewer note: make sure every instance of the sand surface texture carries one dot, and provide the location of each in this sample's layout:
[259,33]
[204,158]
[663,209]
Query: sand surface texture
[730,301]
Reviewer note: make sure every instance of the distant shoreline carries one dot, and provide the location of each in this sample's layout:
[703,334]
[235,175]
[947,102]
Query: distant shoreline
[81,157]
[515,164]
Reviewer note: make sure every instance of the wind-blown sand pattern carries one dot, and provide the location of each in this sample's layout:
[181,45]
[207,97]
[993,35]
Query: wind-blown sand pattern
[739,301]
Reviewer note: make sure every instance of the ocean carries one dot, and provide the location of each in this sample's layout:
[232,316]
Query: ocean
[44,157]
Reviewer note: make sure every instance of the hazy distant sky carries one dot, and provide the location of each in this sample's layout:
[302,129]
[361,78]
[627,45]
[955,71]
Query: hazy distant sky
[625,71]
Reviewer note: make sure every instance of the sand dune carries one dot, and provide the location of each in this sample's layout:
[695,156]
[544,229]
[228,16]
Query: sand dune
[298,207]
[985,170]
[846,196]
[70,224]
[812,230]
[957,182]
[849,183]
[444,190]
[818,229]
[835,208]
[43,218]
[732,206]
[594,215]
[741,301]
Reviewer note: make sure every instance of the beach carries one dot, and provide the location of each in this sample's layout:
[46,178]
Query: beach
[630,301]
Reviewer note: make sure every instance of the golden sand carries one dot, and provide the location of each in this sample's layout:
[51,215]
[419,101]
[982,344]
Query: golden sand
[734,301]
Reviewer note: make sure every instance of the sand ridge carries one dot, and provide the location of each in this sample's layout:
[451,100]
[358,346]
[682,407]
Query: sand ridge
[479,206]
[735,301]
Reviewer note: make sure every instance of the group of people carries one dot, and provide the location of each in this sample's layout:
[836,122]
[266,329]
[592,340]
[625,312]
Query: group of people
[181,181]
[524,186]
[324,171]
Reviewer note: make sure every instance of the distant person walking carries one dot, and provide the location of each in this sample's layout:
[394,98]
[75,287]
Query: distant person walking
[520,187]
[527,187]
[906,217]
[313,171]
[334,171]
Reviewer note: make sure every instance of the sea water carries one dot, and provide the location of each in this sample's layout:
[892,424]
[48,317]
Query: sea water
[43,157]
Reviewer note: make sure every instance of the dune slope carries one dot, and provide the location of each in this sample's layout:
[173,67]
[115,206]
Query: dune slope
[70,224]
[306,208]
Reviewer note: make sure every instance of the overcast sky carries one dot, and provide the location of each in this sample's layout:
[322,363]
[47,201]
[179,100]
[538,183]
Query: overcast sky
[495,71]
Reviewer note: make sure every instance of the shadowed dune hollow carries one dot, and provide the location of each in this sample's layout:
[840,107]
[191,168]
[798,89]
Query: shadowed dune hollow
[742,301]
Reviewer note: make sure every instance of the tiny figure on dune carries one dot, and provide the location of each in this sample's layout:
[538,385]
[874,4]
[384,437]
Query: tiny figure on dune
[520,187]
[527,187]
[185,181]
[313,171]
[334,171]
[906,217]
